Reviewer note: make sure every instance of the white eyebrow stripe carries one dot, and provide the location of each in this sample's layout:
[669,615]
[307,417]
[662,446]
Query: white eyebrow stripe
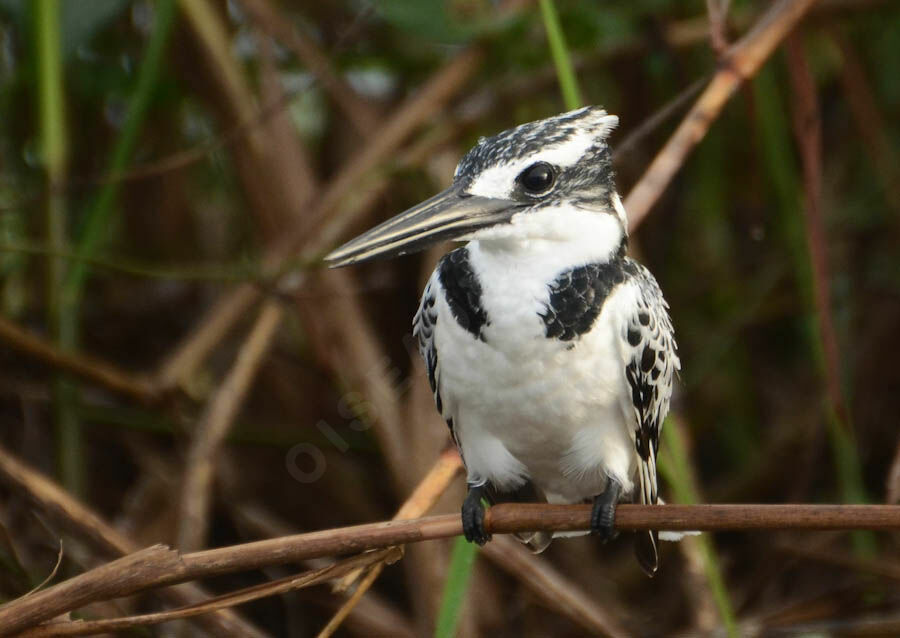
[499,181]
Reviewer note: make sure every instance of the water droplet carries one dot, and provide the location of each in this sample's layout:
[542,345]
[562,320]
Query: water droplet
[115,110]
[31,153]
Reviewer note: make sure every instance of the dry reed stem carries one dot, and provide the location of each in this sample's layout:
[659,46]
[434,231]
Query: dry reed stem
[808,131]
[286,158]
[212,35]
[420,107]
[738,63]
[248,594]
[500,519]
[87,367]
[196,490]
[550,586]
[82,522]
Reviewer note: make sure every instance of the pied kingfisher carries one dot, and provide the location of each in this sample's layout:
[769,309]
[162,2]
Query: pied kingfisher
[550,352]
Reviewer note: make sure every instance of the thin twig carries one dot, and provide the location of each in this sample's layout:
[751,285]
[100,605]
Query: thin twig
[51,575]
[740,62]
[718,25]
[374,571]
[808,131]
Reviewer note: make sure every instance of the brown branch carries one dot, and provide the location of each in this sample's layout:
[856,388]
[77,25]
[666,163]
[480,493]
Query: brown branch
[214,425]
[500,519]
[86,524]
[89,368]
[240,597]
[100,583]
[740,62]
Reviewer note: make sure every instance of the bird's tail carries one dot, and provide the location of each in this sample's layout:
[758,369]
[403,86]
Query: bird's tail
[535,541]
[646,546]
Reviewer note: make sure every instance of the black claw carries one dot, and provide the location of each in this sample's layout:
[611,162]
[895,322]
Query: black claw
[603,515]
[473,516]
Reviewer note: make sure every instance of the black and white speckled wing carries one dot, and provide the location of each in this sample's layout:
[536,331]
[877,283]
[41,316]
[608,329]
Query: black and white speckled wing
[424,324]
[651,360]
[456,282]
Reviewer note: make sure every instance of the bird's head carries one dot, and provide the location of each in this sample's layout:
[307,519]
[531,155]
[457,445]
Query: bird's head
[542,181]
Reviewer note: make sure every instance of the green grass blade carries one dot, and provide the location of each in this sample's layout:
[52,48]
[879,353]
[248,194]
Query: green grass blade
[565,73]
[461,563]
[676,469]
[68,315]
[53,144]
[101,210]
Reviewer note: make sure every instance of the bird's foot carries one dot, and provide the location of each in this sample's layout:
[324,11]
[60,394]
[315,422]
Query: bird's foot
[473,516]
[603,515]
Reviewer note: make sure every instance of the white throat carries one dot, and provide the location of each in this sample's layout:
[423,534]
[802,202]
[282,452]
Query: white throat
[560,237]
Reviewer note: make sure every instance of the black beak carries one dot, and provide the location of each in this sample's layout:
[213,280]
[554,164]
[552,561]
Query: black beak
[448,215]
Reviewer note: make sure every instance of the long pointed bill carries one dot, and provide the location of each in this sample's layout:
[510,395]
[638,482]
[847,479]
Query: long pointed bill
[448,215]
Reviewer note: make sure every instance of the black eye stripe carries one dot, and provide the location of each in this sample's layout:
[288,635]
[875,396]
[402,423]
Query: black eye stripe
[537,179]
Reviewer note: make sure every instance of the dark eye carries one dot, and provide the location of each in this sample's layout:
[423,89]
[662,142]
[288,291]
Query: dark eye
[537,178]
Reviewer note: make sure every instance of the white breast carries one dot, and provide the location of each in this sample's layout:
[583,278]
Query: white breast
[528,407]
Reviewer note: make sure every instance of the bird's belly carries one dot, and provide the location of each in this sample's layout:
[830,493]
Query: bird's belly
[529,407]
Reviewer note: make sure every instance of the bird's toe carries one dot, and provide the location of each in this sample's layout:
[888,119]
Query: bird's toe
[473,519]
[603,522]
[603,514]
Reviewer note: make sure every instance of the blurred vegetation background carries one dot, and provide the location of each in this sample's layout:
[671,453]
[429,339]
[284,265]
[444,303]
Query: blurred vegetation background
[174,355]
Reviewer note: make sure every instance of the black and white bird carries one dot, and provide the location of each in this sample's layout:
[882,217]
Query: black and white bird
[550,352]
